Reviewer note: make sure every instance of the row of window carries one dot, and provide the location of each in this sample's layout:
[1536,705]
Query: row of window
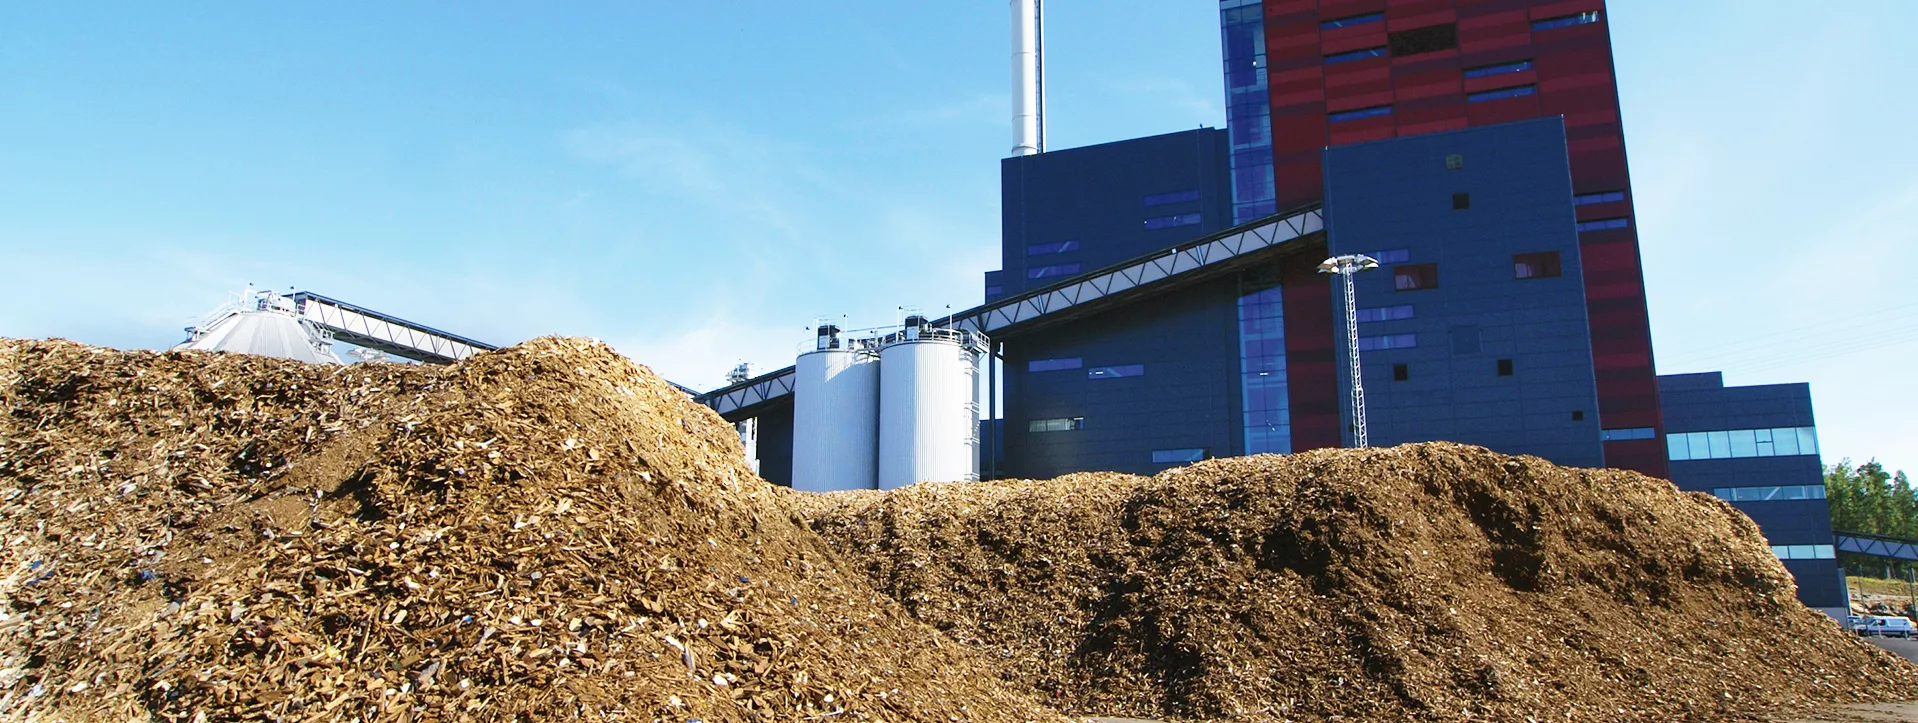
[1056,247]
[1621,435]
[1060,424]
[1740,443]
[1603,224]
[1781,493]
[1501,93]
[1182,219]
[1402,372]
[1177,456]
[1349,115]
[1586,199]
[1042,272]
[1584,18]
[1804,552]
[1390,256]
[1388,341]
[1486,71]
[1385,313]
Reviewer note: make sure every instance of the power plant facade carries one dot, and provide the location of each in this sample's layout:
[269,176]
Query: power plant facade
[1159,300]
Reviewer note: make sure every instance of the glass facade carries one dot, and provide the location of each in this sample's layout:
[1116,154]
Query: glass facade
[1174,456]
[1737,443]
[1781,493]
[1248,109]
[1268,411]
[1803,552]
[1115,372]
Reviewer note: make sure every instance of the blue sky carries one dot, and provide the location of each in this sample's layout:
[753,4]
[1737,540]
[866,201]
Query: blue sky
[695,183]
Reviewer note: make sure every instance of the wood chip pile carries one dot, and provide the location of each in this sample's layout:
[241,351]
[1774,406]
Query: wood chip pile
[539,533]
[1424,582]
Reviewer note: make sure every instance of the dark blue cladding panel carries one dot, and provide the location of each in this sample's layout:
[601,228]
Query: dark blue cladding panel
[1484,358]
[1074,210]
[1183,397]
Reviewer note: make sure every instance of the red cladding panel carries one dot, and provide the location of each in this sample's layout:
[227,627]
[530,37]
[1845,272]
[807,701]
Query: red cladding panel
[1573,76]
[1311,365]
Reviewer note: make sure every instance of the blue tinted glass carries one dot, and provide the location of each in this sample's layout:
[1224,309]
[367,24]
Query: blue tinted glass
[1053,365]
[1170,456]
[1378,52]
[1602,224]
[1388,341]
[1114,372]
[1522,90]
[1262,380]
[1041,272]
[1567,21]
[1585,199]
[1500,69]
[1183,219]
[1351,21]
[1372,112]
[1056,247]
[1385,313]
[1161,199]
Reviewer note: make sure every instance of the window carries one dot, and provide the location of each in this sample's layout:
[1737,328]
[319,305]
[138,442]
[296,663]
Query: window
[1589,16]
[1388,341]
[1461,201]
[1061,424]
[992,291]
[1390,256]
[1183,219]
[1429,39]
[1267,420]
[1536,265]
[1586,199]
[1504,367]
[1415,277]
[1161,199]
[1401,372]
[1485,71]
[1501,93]
[1803,552]
[1378,52]
[1619,435]
[1784,493]
[1738,443]
[1604,223]
[1578,415]
[1353,20]
[1041,272]
[1175,456]
[1454,162]
[1056,247]
[1372,112]
[1123,370]
[1385,313]
[1053,365]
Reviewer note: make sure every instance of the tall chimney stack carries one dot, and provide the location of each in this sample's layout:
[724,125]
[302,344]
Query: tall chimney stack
[1028,78]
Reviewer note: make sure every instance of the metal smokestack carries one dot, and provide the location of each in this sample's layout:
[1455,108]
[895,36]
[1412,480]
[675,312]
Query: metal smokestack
[1028,78]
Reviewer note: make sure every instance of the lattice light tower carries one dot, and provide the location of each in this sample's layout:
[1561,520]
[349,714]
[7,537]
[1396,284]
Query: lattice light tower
[1345,266]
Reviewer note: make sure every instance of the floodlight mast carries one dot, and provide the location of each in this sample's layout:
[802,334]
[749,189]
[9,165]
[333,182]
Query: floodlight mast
[1345,266]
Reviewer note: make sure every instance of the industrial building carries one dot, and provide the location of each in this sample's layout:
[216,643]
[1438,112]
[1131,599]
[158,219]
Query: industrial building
[1159,300]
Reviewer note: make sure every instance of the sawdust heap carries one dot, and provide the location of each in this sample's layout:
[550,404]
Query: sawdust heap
[543,532]
[1425,582]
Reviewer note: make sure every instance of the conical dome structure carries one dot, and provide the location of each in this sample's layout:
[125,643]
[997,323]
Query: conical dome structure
[264,324]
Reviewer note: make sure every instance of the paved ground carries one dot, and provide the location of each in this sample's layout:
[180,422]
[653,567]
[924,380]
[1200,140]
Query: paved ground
[1906,647]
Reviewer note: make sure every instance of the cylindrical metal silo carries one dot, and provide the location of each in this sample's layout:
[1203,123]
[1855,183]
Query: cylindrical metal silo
[835,418]
[928,409]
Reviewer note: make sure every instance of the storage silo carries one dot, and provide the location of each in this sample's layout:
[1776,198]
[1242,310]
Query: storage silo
[835,416]
[928,407]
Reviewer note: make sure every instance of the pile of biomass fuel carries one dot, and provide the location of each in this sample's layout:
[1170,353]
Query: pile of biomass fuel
[539,533]
[1424,582]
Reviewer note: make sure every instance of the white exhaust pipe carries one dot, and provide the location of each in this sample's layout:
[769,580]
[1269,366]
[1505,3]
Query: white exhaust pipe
[1028,79]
